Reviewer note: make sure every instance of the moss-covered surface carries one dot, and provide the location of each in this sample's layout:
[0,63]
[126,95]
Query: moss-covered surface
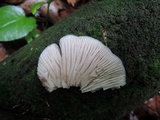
[133,30]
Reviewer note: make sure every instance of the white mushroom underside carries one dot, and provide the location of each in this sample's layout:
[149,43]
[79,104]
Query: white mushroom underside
[80,61]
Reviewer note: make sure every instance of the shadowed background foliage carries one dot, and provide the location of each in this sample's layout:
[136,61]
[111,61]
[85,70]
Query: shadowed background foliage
[133,34]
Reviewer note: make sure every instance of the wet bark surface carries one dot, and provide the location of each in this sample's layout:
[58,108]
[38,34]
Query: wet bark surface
[11,115]
[133,34]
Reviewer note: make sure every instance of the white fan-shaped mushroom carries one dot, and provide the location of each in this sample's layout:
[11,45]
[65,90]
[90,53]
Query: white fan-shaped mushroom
[80,61]
[49,68]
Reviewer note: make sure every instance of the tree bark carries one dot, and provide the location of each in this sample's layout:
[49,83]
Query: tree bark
[133,28]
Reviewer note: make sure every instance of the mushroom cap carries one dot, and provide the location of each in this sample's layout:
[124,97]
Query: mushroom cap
[80,61]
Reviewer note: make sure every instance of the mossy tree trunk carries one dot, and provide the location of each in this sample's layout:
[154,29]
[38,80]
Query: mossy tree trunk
[134,35]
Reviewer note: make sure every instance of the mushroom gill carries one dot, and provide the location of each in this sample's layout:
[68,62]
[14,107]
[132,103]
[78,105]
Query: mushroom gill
[80,61]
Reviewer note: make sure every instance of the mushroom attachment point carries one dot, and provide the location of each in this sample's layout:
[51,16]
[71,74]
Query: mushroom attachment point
[80,61]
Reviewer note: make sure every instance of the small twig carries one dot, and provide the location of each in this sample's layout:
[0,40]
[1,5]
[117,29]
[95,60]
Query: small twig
[48,11]
[48,105]
[104,31]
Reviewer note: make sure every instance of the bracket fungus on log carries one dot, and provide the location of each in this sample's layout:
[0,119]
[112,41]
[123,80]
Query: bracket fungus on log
[80,61]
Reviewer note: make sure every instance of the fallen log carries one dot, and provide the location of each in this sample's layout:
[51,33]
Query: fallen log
[133,34]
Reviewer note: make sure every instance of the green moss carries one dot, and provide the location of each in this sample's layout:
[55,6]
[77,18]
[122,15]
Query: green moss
[133,31]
